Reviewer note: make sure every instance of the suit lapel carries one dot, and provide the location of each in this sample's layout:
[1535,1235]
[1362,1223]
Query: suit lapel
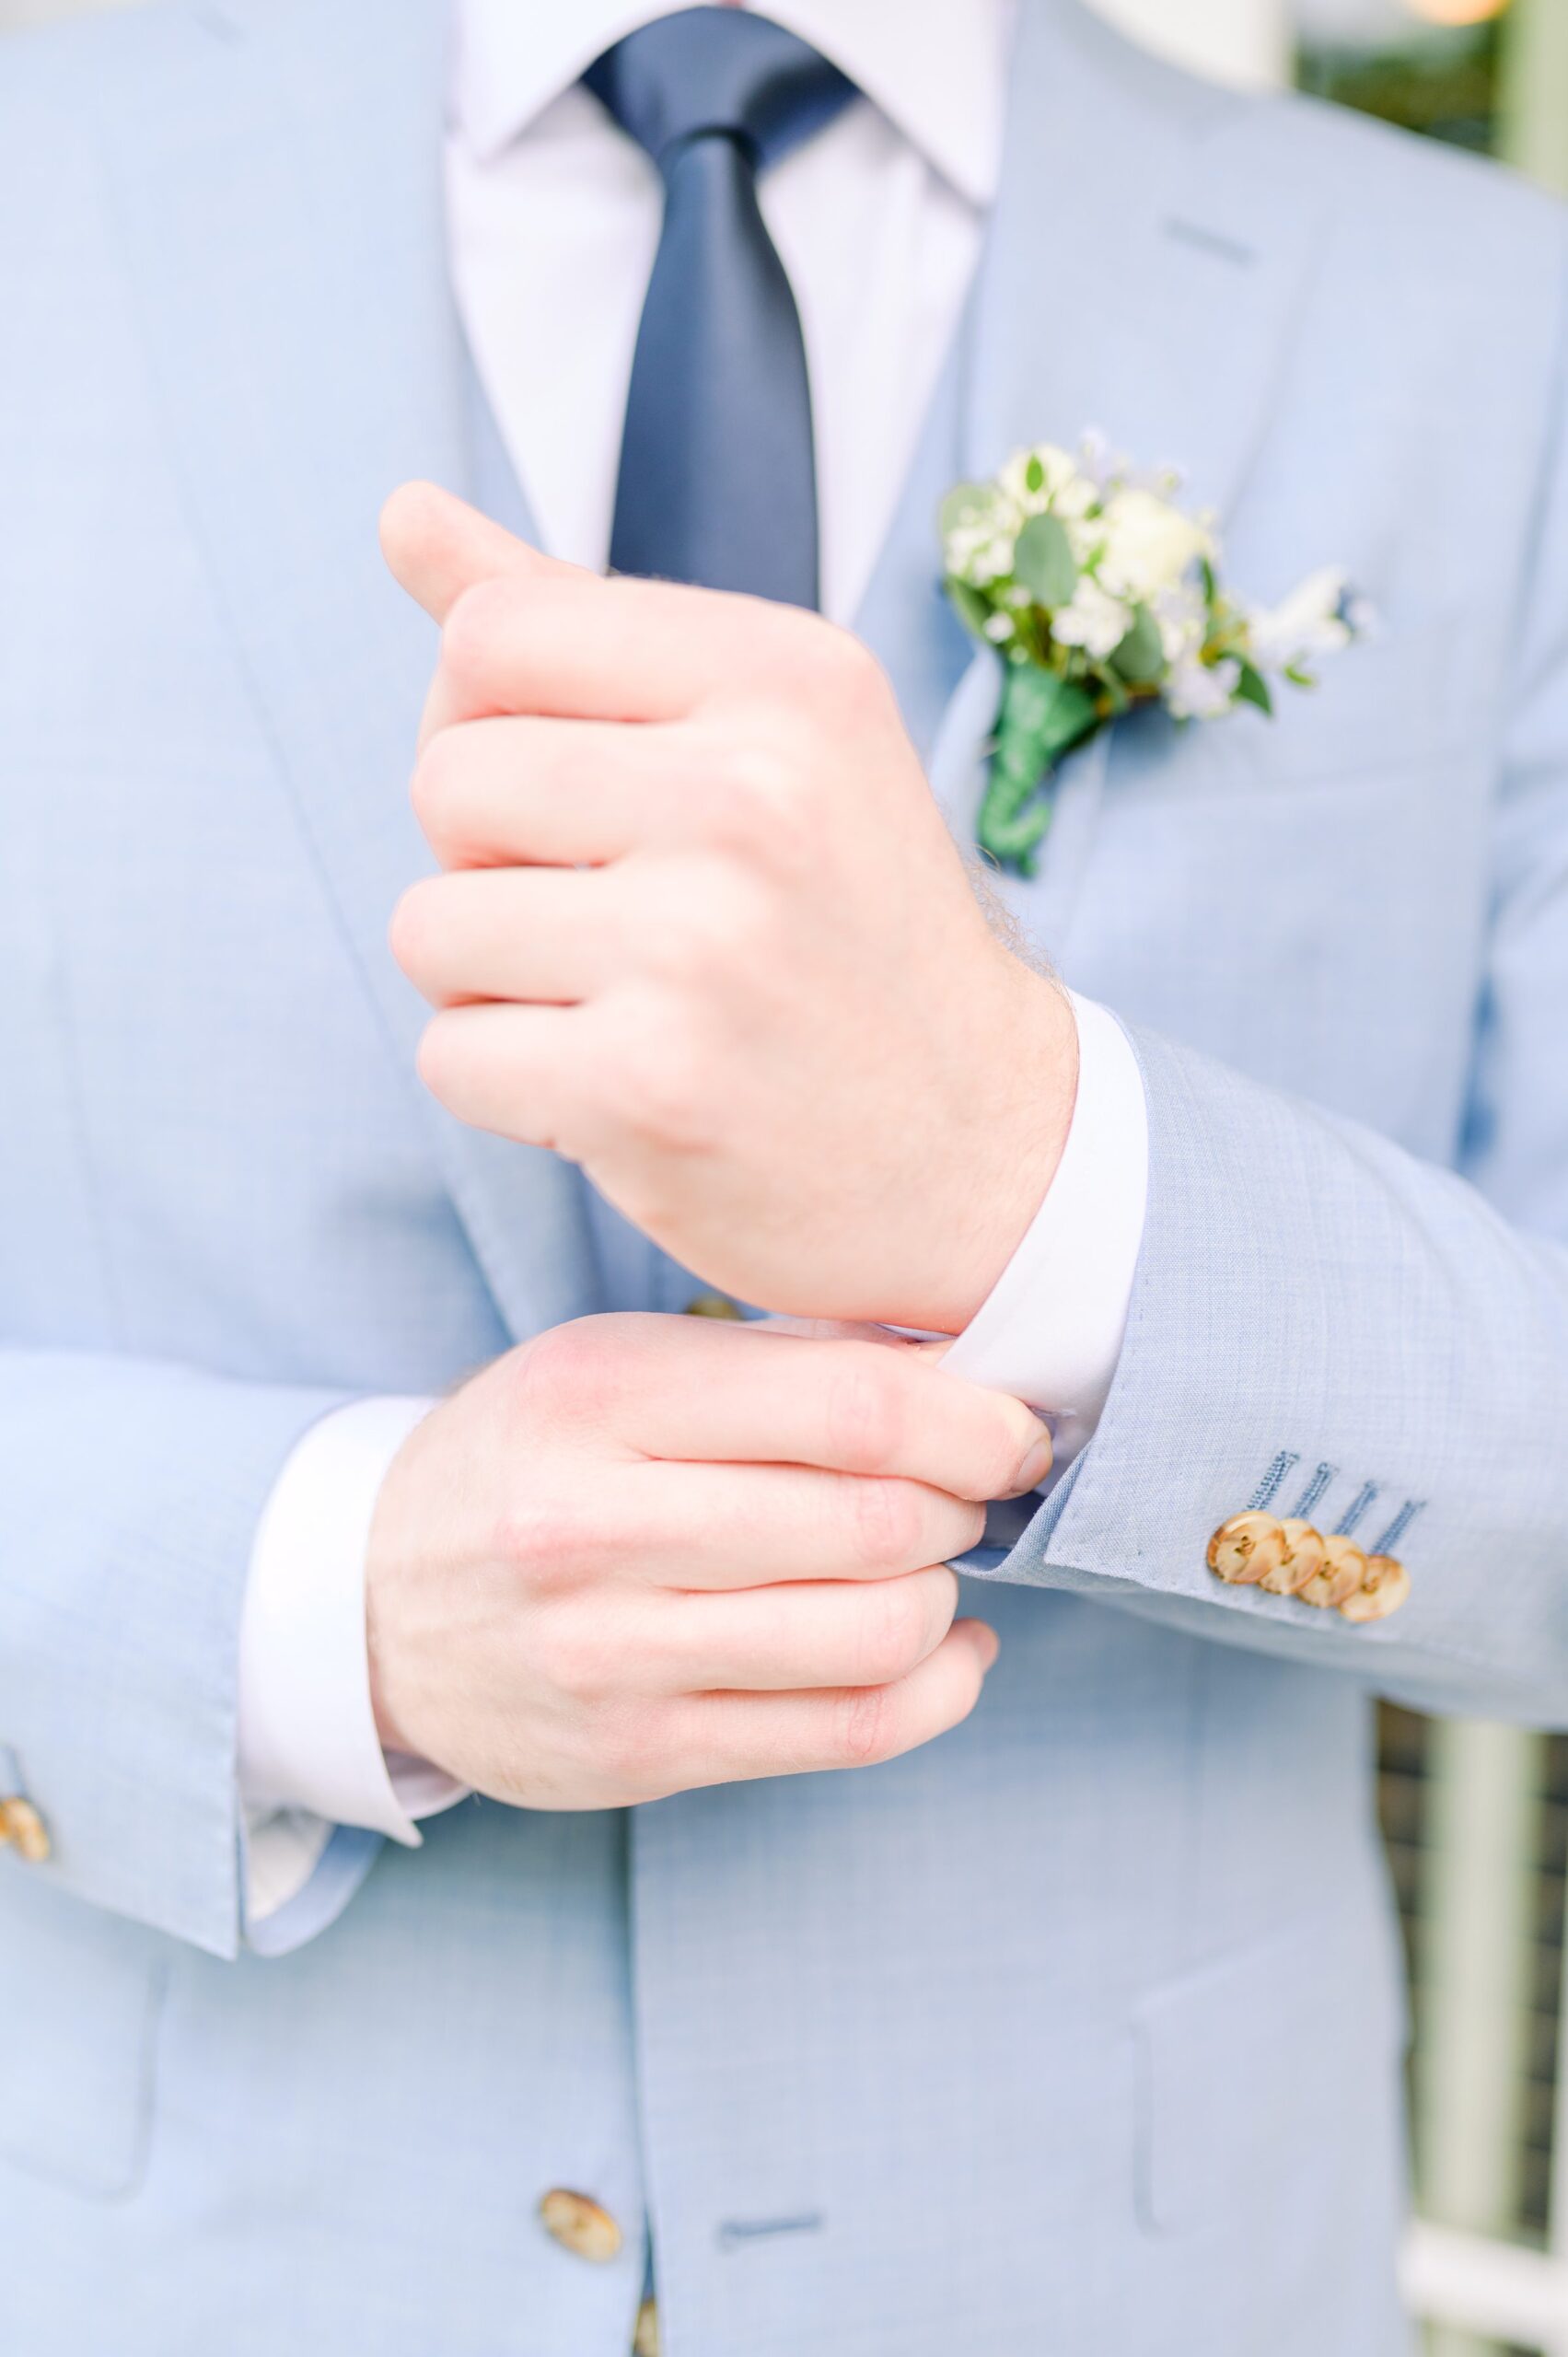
[1144,263]
[288,248]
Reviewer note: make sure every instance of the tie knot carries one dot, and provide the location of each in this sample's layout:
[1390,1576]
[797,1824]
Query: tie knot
[717,70]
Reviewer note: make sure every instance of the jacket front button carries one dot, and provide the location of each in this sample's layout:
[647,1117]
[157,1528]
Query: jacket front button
[1385,1585]
[23,1829]
[579,2225]
[1344,1568]
[1247,1547]
[710,1304]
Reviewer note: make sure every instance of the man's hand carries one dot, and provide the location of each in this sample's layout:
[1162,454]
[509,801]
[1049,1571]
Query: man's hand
[642,1554]
[703,932]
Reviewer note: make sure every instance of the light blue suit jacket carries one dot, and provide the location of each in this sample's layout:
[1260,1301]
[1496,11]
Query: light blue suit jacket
[1079,2028]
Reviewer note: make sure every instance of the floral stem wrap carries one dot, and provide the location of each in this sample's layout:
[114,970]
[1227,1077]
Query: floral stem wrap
[1042,720]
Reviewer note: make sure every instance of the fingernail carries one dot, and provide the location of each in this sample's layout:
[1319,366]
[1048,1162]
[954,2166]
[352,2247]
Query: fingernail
[1035,1466]
[993,1645]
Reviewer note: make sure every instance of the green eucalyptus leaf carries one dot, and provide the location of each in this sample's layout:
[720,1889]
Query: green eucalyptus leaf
[1044,564]
[1254,689]
[973,610]
[1140,658]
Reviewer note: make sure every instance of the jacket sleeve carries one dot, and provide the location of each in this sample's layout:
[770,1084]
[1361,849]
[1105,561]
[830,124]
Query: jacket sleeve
[131,1490]
[1319,1319]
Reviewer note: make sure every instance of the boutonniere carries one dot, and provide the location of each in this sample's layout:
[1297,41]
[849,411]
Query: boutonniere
[1100,592]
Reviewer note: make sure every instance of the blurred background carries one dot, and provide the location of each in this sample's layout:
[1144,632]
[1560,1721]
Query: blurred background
[1476,1818]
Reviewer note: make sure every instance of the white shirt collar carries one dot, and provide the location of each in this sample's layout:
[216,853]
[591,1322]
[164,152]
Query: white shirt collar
[936,68]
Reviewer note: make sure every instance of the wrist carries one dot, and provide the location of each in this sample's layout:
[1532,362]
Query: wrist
[386,1579]
[1008,1147]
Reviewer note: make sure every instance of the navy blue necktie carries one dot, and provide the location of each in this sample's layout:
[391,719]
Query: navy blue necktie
[718,480]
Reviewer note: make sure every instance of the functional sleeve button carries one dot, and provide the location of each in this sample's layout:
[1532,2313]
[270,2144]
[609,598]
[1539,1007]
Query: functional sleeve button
[711,1304]
[1385,1585]
[1343,1571]
[580,2225]
[1245,1549]
[1302,1560]
[22,1830]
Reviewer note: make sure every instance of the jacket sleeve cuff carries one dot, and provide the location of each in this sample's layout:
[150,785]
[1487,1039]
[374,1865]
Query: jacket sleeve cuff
[1324,1327]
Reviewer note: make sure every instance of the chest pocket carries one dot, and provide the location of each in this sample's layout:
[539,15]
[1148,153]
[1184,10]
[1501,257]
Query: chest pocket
[79,2001]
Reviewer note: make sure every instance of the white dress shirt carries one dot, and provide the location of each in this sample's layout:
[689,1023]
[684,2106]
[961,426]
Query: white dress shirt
[554,220]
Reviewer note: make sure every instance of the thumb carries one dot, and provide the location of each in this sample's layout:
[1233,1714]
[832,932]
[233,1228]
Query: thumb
[438,546]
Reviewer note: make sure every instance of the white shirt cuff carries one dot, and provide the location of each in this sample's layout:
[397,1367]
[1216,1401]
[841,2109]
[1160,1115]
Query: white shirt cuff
[1052,1328]
[309,1755]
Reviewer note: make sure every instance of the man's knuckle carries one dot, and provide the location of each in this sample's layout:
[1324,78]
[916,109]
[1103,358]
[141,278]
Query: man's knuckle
[756,797]
[472,635]
[969,1528]
[939,1597]
[573,1373]
[574,1657]
[544,1542]
[867,1730]
[631,1747]
[409,933]
[894,1634]
[437,780]
[441,1059]
[757,778]
[666,1095]
[708,939]
[866,1414]
[888,1522]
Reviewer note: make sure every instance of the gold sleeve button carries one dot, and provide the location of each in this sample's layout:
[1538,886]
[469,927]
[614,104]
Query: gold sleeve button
[580,2225]
[22,1830]
[1342,1572]
[1384,1585]
[711,1304]
[1246,1549]
[1302,1560]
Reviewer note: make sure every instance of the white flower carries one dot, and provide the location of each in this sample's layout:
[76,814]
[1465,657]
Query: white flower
[1062,489]
[1200,692]
[1183,619]
[998,629]
[1092,620]
[982,551]
[1318,619]
[1149,545]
